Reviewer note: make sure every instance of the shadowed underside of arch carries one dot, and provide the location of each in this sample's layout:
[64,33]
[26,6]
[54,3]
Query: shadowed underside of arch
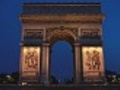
[61,35]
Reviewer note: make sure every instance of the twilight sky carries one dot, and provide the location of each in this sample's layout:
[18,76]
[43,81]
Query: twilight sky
[10,33]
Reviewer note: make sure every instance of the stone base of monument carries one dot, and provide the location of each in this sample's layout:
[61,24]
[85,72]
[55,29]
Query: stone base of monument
[61,87]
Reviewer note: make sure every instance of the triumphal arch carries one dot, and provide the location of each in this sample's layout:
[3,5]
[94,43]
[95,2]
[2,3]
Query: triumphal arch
[80,24]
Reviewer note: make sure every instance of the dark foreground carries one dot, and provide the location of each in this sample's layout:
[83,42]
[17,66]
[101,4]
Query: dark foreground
[60,87]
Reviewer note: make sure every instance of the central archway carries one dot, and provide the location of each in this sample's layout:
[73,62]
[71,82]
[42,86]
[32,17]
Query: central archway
[61,66]
[65,36]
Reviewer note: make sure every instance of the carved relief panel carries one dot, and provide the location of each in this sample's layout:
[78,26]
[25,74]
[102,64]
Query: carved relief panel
[33,34]
[93,66]
[87,33]
[30,61]
[72,31]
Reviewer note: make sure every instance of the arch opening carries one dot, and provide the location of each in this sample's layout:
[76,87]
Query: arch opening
[61,57]
[61,66]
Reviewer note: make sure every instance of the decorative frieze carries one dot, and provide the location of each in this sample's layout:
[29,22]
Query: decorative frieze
[33,34]
[61,29]
[82,18]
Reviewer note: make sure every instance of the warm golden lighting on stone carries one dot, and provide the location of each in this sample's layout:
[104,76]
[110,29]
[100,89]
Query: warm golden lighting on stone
[30,61]
[92,62]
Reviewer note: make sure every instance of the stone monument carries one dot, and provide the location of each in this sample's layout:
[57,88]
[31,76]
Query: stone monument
[80,24]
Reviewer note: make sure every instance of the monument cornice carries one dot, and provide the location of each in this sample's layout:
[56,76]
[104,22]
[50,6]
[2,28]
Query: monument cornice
[62,18]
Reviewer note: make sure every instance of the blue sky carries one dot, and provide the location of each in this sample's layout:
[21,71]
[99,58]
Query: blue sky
[10,32]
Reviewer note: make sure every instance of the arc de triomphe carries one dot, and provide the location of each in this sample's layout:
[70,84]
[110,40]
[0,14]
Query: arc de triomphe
[43,24]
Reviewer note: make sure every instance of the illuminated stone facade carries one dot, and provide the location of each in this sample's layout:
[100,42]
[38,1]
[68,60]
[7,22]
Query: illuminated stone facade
[80,24]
